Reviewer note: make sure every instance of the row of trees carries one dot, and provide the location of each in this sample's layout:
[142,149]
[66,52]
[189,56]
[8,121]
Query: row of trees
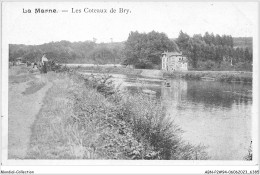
[212,51]
[143,50]
[208,52]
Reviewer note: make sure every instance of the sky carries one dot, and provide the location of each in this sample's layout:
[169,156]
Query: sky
[236,19]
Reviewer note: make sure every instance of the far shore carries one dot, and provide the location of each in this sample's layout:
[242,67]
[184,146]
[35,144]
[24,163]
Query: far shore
[223,76]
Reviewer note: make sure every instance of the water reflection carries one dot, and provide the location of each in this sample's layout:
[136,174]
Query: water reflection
[210,94]
[214,114]
[217,115]
[176,91]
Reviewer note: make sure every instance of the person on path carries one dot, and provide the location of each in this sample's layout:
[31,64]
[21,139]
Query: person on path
[44,63]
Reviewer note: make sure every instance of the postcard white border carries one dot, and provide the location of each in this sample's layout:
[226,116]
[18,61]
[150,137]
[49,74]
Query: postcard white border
[124,163]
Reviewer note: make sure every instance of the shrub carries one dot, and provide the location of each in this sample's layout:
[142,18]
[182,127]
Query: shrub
[249,156]
[101,83]
[244,66]
[206,65]
[158,134]
[104,133]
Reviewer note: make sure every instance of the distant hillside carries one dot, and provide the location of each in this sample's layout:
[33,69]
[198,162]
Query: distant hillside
[243,42]
[70,52]
[89,52]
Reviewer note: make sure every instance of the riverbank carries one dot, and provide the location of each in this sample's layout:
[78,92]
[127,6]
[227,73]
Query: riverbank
[222,76]
[110,70]
[85,117]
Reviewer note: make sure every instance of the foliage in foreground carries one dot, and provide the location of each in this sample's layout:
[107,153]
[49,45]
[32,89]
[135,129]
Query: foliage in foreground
[141,129]
[87,118]
[249,156]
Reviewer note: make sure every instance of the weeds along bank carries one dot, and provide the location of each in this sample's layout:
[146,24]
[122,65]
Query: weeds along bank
[222,76]
[114,70]
[88,118]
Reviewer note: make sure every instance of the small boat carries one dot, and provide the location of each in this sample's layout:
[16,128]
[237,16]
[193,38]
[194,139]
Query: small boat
[208,79]
[167,84]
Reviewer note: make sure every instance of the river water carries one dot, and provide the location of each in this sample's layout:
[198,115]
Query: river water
[213,114]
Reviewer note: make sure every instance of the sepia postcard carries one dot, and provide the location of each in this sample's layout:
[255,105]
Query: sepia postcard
[130,87]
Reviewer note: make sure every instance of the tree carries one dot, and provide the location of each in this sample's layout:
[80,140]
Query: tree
[207,38]
[247,55]
[218,40]
[33,56]
[212,39]
[102,55]
[213,49]
[69,52]
[144,50]
[15,51]
[194,50]
[182,41]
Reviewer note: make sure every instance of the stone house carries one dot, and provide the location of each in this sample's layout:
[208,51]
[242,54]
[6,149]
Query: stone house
[174,61]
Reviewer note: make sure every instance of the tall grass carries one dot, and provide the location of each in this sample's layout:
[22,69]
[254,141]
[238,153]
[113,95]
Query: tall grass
[249,156]
[87,118]
[160,137]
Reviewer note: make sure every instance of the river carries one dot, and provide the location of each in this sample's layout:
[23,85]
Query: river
[213,114]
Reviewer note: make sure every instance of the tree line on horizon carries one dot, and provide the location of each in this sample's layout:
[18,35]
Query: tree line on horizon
[87,52]
[143,50]
[214,52]
[207,52]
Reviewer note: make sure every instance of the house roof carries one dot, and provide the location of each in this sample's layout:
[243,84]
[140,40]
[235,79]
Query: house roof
[172,53]
[169,54]
[19,58]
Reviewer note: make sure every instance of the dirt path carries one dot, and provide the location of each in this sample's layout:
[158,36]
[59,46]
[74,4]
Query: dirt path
[22,113]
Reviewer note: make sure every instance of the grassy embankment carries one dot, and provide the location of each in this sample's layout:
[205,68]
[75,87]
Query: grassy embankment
[21,75]
[223,76]
[87,118]
[111,70]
